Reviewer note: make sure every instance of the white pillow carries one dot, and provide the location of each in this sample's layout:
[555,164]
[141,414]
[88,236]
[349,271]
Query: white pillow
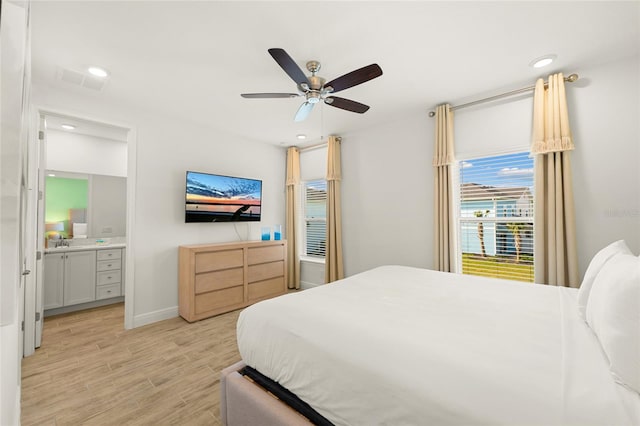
[595,266]
[613,313]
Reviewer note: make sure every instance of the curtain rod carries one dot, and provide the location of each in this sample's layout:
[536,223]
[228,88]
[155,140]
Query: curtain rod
[571,78]
[312,147]
[317,145]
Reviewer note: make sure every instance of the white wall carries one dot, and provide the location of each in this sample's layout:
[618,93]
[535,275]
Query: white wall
[605,118]
[79,153]
[166,149]
[388,180]
[311,274]
[387,191]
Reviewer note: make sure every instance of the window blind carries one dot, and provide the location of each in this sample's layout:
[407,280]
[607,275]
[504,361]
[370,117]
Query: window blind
[315,217]
[495,216]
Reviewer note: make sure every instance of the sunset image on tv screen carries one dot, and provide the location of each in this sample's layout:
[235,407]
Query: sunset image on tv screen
[216,198]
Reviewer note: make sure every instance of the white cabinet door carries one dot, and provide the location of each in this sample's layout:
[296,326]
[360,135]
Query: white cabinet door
[53,280]
[79,277]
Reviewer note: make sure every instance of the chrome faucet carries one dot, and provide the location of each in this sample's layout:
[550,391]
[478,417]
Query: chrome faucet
[62,243]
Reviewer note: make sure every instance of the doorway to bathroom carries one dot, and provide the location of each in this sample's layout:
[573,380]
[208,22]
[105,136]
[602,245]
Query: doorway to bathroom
[82,213]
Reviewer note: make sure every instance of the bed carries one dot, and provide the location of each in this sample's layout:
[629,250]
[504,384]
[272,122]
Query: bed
[399,345]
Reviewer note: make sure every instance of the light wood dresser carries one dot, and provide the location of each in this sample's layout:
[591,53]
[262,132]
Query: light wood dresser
[218,278]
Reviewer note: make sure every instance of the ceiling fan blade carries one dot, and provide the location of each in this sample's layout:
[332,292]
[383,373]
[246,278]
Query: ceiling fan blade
[346,104]
[289,66]
[269,95]
[303,111]
[354,78]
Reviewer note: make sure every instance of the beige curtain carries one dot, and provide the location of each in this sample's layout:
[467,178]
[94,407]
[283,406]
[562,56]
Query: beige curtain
[556,260]
[443,197]
[292,183]
[334,268]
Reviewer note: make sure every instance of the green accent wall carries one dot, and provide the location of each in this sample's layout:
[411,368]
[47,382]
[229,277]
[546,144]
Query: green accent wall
[62,194]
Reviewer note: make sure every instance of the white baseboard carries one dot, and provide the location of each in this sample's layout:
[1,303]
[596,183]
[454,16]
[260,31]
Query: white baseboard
[155,316]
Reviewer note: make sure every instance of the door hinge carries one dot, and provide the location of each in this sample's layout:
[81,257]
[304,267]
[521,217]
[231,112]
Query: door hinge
[41,135]
[22,326]
[40,195]
[37,316]
[38,255]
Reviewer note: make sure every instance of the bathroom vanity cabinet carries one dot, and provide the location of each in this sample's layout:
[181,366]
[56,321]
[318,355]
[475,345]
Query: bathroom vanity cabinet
[74,277]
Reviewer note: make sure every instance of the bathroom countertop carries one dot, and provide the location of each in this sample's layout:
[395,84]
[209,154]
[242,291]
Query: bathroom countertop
[79,247]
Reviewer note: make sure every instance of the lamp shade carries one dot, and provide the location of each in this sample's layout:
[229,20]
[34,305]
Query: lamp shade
[54,226]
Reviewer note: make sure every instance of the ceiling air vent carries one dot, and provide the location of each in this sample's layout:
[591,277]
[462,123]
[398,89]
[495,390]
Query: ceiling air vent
[82,79]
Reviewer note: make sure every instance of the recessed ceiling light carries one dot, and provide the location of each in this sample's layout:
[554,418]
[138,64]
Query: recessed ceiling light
[98,72]
[301,136]
[542,61]
[51,174]
[68,126]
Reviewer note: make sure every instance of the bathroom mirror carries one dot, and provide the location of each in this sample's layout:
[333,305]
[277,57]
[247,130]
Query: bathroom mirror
[99,201]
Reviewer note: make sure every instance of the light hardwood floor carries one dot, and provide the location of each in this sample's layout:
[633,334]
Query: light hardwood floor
[89,370]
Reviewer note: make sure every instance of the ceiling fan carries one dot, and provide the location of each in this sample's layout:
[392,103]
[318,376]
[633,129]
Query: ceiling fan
[315,88]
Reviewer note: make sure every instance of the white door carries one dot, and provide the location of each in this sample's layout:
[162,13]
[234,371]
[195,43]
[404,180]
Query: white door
[34,234]
[32,231]
[28,238]
[79,277]
[24,248]
[38,200]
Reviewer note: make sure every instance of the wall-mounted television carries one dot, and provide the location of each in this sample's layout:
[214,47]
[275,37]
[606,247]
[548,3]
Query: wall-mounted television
[218,198]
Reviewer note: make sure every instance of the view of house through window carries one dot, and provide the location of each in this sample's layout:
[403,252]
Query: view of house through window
[495,216]
[315,217]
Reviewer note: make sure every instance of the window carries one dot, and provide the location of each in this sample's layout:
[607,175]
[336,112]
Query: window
[314,200]
[495,216]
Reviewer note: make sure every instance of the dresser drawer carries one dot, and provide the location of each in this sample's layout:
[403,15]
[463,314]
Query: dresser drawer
[107,291]
[265,271]
[109,265]
[109,254]
[257,255]
[109,277]
[217,280]
[215,260]
[267,288]
[218,299]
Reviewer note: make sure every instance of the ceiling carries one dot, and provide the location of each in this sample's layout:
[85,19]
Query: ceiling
[192,59]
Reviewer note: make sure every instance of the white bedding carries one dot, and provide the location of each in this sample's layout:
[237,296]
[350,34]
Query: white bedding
[406,346]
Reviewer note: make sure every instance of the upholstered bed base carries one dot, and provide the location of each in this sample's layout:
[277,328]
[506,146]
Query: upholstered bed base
[243,403]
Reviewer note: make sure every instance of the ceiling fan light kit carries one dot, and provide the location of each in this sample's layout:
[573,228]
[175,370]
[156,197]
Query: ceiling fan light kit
[315,88]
